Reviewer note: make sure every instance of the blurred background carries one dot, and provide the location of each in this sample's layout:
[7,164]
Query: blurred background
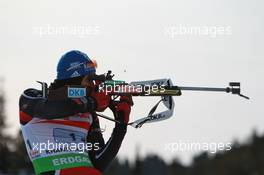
[195,43]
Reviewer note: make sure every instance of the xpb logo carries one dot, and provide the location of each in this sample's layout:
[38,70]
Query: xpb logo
[76,92]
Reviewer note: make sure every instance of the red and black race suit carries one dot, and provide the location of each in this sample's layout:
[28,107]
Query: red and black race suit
[69,121]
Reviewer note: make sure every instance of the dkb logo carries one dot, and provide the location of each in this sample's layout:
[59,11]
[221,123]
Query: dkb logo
[76,92]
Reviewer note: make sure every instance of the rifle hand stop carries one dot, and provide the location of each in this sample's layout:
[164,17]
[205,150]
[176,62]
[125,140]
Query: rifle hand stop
[235,89]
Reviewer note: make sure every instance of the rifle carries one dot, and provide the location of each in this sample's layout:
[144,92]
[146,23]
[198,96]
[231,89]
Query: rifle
[159,87]
[163,88]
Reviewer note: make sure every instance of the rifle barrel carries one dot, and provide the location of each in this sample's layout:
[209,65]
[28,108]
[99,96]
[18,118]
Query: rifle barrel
[186,88]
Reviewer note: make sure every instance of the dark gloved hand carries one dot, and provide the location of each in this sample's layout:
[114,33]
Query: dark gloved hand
[101,99]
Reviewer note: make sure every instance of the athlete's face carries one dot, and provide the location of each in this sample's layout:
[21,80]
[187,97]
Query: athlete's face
[87,81]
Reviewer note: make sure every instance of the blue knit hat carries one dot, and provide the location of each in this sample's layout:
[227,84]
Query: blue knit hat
[74,64]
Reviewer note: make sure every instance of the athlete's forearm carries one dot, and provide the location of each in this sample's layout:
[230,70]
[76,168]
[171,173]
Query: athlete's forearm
[102,158]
